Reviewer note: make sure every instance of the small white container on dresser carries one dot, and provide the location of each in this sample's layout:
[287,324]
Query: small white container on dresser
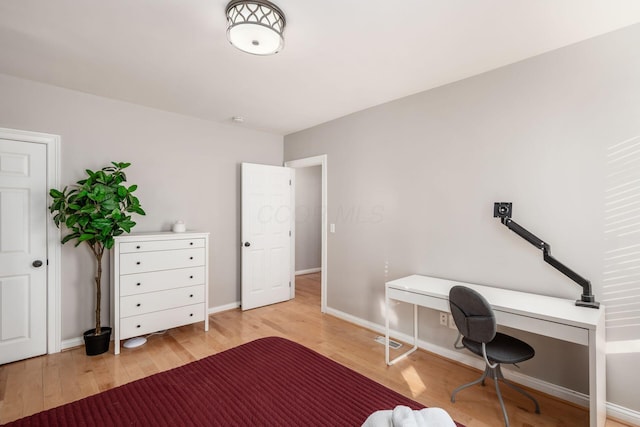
[158,281]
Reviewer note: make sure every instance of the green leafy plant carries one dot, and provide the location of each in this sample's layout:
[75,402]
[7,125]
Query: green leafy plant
[95,210]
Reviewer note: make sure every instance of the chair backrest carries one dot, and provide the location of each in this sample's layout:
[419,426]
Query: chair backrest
[472,314]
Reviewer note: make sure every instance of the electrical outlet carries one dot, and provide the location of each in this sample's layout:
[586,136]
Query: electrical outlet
[452,323]
[443,319]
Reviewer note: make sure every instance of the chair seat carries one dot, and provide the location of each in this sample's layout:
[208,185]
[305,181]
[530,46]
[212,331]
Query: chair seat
[503,349]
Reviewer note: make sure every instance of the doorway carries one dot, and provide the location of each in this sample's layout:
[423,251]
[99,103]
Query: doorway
[267,246]
[307,168]
[29,279]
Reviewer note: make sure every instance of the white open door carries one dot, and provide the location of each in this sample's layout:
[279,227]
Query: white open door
[23,250]
[267,206]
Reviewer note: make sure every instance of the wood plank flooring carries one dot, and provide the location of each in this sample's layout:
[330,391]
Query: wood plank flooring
[44,382]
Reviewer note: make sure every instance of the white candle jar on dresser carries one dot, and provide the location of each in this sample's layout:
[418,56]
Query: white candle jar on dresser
[158,281]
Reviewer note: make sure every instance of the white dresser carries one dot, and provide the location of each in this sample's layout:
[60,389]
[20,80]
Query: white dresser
[158,281]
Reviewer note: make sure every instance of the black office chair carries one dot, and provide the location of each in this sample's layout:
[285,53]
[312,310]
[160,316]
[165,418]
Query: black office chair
[476,325]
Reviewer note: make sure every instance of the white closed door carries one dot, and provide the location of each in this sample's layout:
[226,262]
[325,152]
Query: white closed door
[267,268]
[23,250]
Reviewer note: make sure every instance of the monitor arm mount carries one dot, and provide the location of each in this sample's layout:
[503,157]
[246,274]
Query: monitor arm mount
[503,211]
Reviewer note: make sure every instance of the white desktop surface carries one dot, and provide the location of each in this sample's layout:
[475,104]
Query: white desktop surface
[549,316]
[540,306]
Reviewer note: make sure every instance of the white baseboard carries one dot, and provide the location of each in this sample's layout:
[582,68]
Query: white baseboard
[225,307]
[623,414]
[469,360]
[613,410]
[70,343]
[308,271]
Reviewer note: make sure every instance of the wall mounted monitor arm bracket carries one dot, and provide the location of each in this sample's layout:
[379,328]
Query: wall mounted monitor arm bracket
[503,211]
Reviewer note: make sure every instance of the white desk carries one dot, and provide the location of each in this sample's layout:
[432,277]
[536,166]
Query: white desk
[553,317]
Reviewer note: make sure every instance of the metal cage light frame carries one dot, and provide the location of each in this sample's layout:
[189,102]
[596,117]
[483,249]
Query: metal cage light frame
[255,26]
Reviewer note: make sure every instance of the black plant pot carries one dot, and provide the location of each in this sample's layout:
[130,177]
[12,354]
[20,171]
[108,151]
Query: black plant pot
[97,344]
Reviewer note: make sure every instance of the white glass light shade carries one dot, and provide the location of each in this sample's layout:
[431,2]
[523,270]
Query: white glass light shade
[255,26]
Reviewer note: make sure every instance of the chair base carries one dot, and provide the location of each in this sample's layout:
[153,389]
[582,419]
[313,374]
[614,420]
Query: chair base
[496,374]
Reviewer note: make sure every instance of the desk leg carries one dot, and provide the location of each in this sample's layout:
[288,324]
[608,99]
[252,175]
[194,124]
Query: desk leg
[415,336]
[386,333]
[597,375]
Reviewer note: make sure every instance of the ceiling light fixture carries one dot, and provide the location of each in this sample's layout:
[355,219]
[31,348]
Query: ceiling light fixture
[255,26]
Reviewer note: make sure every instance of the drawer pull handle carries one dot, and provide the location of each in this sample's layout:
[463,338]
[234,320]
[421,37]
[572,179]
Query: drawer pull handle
[138,263]
[190,257]
[191,243]
[138,284]
[191,296]
[138,326]
[190,277]
[138,305]
[191,315]
[138,247]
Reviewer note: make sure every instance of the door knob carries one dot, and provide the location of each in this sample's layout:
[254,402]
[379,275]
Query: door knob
[37,263]
[247,244]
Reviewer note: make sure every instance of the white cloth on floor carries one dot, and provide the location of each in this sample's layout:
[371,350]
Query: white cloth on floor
[403,416]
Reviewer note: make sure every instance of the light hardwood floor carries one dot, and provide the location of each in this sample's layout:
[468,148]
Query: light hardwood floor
[44,382]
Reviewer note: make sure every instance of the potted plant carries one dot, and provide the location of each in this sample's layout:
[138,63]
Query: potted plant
[95,210]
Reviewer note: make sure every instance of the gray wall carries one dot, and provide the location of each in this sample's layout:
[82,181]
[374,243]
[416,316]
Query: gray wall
[412,184]
[185,168]
[308,217]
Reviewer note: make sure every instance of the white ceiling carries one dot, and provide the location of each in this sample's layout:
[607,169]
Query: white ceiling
[340,56]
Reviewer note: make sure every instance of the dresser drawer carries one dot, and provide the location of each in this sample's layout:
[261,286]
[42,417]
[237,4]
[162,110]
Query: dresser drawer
[134,305]
[139,283]
[160,245]
[161,260]
[159,320]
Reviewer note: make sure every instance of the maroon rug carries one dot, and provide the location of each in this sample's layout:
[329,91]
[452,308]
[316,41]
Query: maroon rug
[267,382]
